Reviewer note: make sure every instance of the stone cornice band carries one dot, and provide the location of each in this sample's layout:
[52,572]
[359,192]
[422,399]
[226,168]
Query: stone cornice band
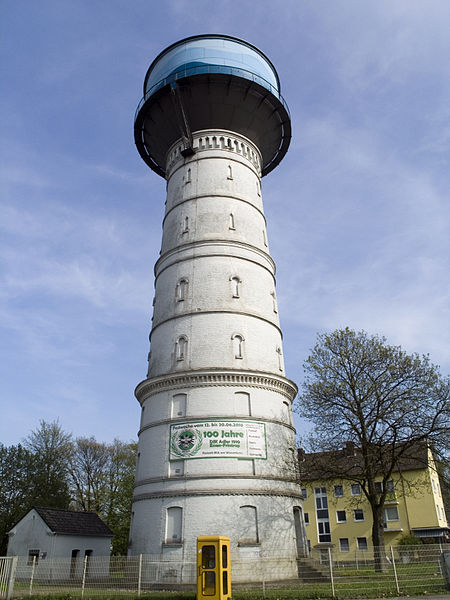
[199,493]
[207,378]
[216,139]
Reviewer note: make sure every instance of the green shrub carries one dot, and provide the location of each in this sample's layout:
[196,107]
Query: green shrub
[408,539]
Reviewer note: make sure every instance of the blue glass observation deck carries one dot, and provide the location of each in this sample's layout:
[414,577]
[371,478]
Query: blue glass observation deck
[214,82]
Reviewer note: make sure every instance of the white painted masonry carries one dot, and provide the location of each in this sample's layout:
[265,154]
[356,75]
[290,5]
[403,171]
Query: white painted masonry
[228,282]
[216,440]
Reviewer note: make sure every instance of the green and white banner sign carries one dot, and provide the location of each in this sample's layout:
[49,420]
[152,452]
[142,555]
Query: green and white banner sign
[218,439]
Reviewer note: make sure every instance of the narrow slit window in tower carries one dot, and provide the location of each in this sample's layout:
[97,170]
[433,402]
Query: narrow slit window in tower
[178,405]
[235,286]
[174,516]
[186,225]
[176,468]
[238,345]
[249,525]
[280,358]
[230,172]
[181,347]
[231,225]
[181,289]
[274,302]
[242,405]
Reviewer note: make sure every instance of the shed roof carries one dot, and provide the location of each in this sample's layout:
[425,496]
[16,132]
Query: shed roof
[71,522]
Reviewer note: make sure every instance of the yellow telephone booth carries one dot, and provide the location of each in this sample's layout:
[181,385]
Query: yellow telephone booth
[213,567]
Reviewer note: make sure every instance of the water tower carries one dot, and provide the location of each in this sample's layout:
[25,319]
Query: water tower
[216,440]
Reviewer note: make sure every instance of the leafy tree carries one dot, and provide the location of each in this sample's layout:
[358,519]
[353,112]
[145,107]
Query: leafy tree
[16,472]
[102,481]
[122,466]
[51,470]
[358,389]
[51,448]
[88,473]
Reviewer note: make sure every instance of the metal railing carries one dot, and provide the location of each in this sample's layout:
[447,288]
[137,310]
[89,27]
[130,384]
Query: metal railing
[7,575]
[398,570]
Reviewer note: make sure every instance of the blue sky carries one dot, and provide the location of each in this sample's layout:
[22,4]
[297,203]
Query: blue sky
[358,211]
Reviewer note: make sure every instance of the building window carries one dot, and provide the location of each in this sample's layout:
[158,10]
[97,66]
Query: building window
[341,516]
[264,237]
[306,515]
[304,493]
[280,358]
[231,225]
[338,491]
[33,556]
[180,348]
[358,514]
[379,487]
[322,515]
[248,524]
[323,528]
[242,403]
[230,172]
[344,545]
[391,513]
[181,289]
[238,345]
[178,405]
[356,489]
[176,468]
[174,516]
[390,487]
[188,176]
[362,544]
[258,188]
[186,225]
[287,417]
[235,286]
[274,302]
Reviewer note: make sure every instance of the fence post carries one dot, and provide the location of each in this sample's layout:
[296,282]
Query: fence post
[330,560]
[139,575]
[395,570]
[84,576]
[32,574]
[11,577]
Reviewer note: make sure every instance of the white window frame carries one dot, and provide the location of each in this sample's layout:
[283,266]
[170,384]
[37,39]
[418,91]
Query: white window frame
[341,549]
[357,510]
[358,543]
[353,487]
[388,508]
[339,488]
[338,520]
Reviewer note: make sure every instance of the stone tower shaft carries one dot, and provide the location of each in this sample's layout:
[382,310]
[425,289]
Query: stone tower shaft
[216,442]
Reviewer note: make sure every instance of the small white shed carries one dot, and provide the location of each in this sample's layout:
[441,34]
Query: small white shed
[46,534]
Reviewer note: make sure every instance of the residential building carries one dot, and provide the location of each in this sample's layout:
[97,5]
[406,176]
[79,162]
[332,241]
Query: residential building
[338,515]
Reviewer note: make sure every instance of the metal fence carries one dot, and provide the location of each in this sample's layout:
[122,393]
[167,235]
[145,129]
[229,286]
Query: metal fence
[407,570]
[7,574]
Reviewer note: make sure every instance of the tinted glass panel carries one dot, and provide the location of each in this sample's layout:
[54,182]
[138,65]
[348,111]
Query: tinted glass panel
[208,557]
[215,55]
[224,557]
[209,583]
